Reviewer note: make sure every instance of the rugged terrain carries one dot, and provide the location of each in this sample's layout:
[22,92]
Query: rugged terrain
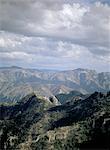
[38,124]
[16,82]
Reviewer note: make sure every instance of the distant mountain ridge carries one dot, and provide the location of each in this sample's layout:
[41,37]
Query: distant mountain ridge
[17,82]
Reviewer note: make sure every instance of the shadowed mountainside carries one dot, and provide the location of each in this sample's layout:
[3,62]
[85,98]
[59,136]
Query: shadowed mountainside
[38,124]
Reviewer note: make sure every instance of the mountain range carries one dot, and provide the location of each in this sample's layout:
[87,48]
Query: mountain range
[37,124]
[17,82]
[54,110]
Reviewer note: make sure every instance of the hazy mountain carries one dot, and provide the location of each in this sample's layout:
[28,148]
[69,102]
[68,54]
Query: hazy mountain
[38,124]
[16,82]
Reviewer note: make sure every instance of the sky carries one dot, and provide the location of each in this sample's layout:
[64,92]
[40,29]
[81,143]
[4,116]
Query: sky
[55,34]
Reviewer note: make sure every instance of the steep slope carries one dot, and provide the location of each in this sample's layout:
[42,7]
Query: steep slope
[69,97]
[16,120]
[16,82]
[84,124]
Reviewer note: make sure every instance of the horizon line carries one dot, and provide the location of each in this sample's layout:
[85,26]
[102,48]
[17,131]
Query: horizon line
[50,69]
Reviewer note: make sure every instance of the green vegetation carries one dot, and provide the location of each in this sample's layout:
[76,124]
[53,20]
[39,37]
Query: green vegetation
[37,124]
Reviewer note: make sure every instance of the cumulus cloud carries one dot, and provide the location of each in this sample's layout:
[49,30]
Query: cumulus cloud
[48,31]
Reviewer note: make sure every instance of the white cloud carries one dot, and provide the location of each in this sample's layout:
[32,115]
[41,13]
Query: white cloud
[47,32]
[16,56]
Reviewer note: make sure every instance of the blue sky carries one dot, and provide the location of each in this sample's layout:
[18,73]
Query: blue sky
[55,34]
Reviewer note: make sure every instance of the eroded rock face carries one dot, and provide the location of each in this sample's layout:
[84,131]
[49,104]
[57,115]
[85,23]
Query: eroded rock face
[16,82]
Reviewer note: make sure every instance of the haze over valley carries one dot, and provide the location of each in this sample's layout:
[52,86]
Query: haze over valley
[16,82]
